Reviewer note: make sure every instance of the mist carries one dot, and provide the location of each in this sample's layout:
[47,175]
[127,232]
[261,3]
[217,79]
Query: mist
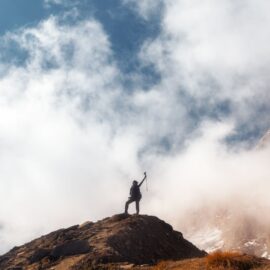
[73,137]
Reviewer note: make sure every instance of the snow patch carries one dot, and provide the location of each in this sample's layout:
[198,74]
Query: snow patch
[208,239]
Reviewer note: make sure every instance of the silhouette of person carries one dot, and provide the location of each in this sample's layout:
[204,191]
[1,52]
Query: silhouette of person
[135,195]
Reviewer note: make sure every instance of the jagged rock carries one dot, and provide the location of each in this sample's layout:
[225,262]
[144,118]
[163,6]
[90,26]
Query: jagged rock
[87,224]
[118,239]
[70,248]
[39,254]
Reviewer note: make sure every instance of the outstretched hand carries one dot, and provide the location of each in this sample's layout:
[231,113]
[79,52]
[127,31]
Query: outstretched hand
[143,179]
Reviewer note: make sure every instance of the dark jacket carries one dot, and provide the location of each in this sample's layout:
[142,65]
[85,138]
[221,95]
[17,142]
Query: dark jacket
[135,192]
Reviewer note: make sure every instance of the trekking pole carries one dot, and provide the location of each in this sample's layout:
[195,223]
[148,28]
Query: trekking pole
[146,184]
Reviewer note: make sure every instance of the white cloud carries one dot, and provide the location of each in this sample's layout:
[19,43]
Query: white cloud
[214,52]
[72,137]
[217,51]
[55,136]
[67,3]
[145,8]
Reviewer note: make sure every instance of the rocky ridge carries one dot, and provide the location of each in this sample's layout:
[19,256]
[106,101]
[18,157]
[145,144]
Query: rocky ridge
[118,239]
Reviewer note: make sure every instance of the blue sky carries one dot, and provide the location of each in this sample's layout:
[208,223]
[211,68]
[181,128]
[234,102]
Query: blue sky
[93,93]
[14,14]
[127,30]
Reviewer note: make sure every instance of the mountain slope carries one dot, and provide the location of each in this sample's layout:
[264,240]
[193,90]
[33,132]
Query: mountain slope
[121,238]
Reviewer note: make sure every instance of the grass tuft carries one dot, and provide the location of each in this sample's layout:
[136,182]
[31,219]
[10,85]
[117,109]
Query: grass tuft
[230,260]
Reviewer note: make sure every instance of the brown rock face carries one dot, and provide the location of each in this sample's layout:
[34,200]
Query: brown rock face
[121,238]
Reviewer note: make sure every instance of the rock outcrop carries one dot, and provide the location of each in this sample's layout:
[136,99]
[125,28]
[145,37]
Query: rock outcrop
[121,238]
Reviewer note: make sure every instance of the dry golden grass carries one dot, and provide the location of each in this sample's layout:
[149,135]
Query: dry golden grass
[227,260]
[231,260]
[188,264]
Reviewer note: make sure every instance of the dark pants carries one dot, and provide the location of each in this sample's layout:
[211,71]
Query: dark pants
[131,200]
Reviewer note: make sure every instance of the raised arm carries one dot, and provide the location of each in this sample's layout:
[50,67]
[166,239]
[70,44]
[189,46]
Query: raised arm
[143,179]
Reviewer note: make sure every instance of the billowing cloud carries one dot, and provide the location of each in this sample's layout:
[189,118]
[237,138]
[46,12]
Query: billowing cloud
[73,136]
[55,135]
[216,53]
[215,56]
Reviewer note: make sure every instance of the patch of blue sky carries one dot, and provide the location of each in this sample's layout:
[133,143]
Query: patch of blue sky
[15,14]
[127,32]
[126,29]
[251,132]
[12,53]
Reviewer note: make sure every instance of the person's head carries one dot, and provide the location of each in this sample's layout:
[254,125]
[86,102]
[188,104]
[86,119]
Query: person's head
[135,183]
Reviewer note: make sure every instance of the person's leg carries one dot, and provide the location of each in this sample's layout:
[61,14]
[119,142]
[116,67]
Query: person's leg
[127,204]
[137,207]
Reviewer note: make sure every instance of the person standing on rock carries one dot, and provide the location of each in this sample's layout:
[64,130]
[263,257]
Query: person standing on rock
[135,195]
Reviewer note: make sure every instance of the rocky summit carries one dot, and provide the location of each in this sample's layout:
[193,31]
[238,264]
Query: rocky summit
[118,239]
